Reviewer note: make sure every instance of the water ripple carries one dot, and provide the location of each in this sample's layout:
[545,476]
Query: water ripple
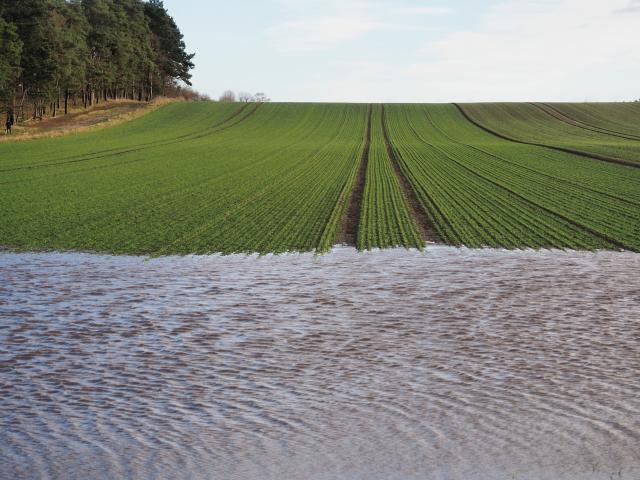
[447,364]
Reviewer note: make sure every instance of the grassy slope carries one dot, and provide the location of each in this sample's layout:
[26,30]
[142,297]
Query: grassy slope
[162,125]
[464,193]
[621,118]
[245,178]
[538,123]
[267,183]
[599,198]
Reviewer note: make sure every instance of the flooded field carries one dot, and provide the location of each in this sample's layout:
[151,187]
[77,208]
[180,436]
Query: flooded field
[394,365]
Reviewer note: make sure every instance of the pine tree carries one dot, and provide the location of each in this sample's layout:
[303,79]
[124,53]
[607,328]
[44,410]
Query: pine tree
[171,57]
[10,55]
[51,50]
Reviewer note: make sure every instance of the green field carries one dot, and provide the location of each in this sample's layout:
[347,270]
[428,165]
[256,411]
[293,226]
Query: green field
[216,177]
[605,131]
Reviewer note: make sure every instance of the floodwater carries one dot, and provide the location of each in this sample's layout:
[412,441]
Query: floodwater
[394,365]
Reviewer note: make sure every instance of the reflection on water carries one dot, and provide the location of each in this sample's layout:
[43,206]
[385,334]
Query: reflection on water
[448,364]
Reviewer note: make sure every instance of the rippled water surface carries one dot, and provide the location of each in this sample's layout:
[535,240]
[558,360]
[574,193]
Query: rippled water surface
[447,364]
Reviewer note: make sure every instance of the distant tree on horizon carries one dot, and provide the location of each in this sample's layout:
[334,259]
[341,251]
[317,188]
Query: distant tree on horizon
[227,96]
[260,97]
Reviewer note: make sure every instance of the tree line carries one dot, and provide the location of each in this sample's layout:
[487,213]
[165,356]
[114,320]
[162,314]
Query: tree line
[57,52]
[230,96]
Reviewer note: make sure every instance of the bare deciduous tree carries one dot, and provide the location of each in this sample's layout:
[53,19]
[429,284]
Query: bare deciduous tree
[245,97]
[228,96]
[260,97]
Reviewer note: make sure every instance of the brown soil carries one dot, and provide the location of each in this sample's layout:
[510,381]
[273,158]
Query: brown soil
[425,227]
[98,116]
[348,234]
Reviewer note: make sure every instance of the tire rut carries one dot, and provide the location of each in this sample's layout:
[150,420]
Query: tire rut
[116,152]
[593,156]
[425,227]
[591,231]
[348,234]
[567,120]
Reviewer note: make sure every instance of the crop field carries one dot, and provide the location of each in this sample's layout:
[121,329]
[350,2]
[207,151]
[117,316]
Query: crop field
[279,177]
[482,190]
[616,118]
[597,130]
[386,220]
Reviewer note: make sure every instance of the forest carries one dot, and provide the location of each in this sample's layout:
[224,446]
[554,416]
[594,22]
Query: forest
[54,53]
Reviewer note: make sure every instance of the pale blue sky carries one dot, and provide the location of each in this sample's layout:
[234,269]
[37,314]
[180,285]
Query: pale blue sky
[415,50]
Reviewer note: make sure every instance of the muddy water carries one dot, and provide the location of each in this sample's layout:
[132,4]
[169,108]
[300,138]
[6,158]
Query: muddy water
[448,364]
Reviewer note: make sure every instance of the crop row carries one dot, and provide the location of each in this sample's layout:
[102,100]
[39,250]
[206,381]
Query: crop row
[385,220]
[612,217]
[204,178]
[544,125]
[178,121]
[618,118]
[476,197]
[271,183]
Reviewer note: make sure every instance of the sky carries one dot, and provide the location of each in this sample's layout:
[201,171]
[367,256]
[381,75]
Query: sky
[413,50]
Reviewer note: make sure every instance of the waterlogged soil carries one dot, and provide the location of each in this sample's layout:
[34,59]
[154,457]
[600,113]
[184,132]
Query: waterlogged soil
[395,365]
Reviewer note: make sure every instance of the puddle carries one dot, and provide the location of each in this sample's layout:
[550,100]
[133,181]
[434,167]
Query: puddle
[400,365]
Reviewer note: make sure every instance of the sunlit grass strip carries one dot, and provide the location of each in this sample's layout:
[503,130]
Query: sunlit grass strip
[329,235]
[385,219]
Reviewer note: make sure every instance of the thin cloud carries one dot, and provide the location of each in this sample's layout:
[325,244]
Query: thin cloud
[321,25]
[633,7]
[417,11]
[531,50]
[320,33]
[513,50]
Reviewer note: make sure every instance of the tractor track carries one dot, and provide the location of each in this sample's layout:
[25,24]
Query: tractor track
[593,156]
[425,227]
[216,128]
[348,234]
[567,120]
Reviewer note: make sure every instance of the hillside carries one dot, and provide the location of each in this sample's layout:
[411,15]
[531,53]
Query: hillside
[212,177]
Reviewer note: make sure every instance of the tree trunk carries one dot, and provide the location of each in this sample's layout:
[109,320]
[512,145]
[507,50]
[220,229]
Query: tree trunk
[66,101]
[13,107]
[24,98]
